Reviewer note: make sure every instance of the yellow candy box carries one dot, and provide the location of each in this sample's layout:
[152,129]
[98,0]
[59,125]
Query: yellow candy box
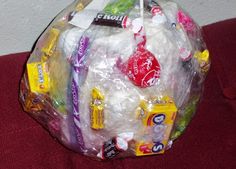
[38,77]
[97,109]
[157,118]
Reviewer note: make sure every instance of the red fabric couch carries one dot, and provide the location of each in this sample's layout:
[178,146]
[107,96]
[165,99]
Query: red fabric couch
[208,143]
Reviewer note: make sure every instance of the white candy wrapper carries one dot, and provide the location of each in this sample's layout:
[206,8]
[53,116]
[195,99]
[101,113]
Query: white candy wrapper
[126,83]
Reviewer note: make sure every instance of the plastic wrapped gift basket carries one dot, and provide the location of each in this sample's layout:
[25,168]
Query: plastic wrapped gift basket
[116,78]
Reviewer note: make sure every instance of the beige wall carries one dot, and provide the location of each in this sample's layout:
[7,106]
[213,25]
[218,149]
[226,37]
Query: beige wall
[22,21]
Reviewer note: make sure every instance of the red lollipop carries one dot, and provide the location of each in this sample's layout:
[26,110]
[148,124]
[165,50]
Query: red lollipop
[143,68]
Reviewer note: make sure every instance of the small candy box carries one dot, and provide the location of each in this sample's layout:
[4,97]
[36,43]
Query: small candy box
[97,108]
[38,77]
[158,118]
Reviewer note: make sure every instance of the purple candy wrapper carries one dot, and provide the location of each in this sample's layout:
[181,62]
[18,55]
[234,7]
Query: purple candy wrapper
[78,59]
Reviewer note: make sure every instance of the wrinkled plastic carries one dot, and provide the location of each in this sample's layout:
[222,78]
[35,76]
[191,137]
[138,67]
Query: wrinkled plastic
[117,89]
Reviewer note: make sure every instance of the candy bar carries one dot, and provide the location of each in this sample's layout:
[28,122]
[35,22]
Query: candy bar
[120,21]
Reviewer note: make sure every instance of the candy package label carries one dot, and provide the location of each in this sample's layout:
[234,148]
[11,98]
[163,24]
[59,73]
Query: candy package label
[38,77]
[160,118]
[112,20]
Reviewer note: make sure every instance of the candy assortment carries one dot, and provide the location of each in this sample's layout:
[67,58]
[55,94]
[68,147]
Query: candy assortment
[117,78]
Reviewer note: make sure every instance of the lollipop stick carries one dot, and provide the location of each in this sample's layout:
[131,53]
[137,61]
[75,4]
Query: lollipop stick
[141,9]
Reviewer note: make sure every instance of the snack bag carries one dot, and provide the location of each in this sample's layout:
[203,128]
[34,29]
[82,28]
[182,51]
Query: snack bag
[116,78]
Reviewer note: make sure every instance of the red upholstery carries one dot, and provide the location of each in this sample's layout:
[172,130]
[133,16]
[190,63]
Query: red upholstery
[209,142]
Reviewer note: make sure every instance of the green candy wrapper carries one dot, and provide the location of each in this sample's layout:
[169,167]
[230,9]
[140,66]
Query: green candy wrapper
[183,121]
[119,7]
